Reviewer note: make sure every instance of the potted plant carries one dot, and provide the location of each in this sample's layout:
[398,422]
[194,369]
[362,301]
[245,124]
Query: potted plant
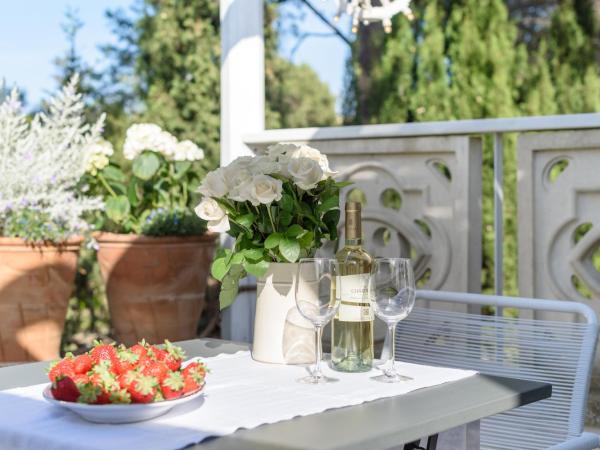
[279,207]
[42,163]
[154,253]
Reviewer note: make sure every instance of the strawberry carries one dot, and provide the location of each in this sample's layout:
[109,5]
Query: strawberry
[104,352]
[174,356]
[104,380]
[126,378]
[64,388]
[158,353]
[81,378]
[195,368]
[120,396]
[128,360]
[142,389]
[62,368]
[82,364]
[172,386]
[191,384]
[91,393]
[139,349]
[155,369]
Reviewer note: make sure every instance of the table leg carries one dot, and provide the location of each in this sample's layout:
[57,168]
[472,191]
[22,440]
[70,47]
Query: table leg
[465,437]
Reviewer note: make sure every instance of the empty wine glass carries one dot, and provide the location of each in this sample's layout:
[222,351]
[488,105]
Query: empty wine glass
[393,285]
[318,302]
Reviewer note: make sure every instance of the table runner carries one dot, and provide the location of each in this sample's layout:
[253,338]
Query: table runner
[240,393]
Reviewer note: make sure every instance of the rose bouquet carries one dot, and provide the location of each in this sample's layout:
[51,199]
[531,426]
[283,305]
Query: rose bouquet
[155,198]
[279,207]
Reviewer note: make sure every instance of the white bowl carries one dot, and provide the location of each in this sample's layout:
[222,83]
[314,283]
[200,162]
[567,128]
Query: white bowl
[121,413]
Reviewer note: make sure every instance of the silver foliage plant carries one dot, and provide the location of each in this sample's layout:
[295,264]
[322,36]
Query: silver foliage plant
[43,159]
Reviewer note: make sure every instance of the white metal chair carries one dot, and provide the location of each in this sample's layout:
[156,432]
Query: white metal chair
[556,352]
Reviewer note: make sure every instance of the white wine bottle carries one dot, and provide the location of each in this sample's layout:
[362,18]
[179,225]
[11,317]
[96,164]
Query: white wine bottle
[352,327]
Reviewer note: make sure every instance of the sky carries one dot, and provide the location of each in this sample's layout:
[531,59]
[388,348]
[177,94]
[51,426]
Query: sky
[31,38]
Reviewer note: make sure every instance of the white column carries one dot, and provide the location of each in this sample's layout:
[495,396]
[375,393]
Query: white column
[242,75]
[242,112]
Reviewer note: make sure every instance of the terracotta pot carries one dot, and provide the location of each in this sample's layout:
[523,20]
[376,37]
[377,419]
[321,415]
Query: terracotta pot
[281,334]
[35,285]
[155,285]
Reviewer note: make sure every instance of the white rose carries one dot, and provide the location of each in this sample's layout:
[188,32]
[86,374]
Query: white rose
[239,182]
[282,148]
[241,162]
[304,151]
[305,172]
[187,151]
[214,184]
[211,211]
[263,165]
[265,190]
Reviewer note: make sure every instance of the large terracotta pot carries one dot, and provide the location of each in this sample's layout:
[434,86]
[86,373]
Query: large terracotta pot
[281,334]
[155,285]
[35,285]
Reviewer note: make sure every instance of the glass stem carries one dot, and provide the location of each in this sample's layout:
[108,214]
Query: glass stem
[392,354]
[317,371]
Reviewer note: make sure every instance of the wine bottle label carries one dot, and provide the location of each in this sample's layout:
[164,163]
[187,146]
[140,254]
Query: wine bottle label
[356,299]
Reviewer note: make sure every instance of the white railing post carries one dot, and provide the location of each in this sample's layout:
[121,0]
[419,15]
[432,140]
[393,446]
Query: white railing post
[498,216]
[242,112]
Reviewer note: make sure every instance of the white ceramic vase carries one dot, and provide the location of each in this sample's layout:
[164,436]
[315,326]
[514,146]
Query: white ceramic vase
[281,334]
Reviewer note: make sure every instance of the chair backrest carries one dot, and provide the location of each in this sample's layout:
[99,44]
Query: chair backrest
[556,352]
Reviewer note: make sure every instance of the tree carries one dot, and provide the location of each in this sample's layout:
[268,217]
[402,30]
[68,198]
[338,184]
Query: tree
[572,63]
[467,59]
[170,49]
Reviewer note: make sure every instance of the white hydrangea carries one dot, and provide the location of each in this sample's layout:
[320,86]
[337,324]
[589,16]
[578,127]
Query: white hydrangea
[42,160]
[148,136]
[188,151]
[98,156]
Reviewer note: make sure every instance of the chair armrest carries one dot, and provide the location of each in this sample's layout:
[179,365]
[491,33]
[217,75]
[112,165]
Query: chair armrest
[586,441]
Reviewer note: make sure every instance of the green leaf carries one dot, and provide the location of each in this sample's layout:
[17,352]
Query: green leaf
[219,268]
[145,165]
[119,188]
[247,220]
[287,203]
[343,184]
[272,240]
[117,208]
[294,231]
[114,173]
[306,240]
[329,204]
[181,168]
[258,269]
[285,218]
[289,249]
[237,258]
[133,194]
[230,286]
[254,253]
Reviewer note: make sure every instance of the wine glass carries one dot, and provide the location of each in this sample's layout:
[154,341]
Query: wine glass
[317,302]
[393,285]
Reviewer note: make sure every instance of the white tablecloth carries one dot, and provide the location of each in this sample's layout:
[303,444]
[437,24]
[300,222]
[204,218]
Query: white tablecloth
[240,393]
